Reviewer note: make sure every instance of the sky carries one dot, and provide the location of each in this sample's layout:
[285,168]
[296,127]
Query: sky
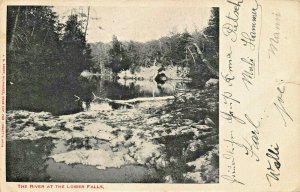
[138,23]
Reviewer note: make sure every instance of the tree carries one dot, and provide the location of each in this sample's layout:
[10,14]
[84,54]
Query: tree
[133,55]
[118,58]
[100,56]
[33,43]
[212,31]
[77,51]
[44,61]
[181,49]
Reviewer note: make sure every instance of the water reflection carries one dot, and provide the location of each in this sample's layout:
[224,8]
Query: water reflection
[72,96]
[61,172]
[127,89]
[152,88]
[28,161]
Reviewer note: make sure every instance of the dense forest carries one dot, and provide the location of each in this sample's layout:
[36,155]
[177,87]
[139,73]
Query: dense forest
[197,50]
[42,48]
[45,56]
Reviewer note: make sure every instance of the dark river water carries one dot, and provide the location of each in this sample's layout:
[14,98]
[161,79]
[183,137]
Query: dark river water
[61,98]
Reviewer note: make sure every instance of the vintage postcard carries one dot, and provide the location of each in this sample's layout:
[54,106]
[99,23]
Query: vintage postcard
[165,95]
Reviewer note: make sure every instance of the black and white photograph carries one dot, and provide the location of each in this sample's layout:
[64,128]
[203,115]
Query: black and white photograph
[103,94]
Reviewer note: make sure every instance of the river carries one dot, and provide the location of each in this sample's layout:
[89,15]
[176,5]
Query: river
[99,142]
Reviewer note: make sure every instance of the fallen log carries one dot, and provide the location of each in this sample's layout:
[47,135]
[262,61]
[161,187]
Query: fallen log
[135,100]
[112,101]
[142,99]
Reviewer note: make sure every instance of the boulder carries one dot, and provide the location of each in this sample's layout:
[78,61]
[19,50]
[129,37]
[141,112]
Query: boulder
[187,122]
[202,127]
[152,121]
[195,149]
[166,117]
[194,177]
[209,122]
[190,96]
[211,82]
[168,179]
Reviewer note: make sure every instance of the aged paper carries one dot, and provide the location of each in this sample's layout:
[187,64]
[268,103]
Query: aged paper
[150,95]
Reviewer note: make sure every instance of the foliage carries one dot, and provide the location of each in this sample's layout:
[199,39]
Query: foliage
[212,31]
[44,58]
[118,56]
[178,49]
[76,51]
[32,43]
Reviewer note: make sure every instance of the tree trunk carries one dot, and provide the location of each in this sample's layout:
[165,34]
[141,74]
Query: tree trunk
[13,36]
[87,22]
[135,100]
[208,65]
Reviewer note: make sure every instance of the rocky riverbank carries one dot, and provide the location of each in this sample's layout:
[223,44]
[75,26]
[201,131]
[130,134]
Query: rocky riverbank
[178,138]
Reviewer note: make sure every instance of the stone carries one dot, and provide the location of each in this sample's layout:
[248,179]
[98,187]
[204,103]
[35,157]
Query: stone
[42,127]
[203,127]
[152,121]
[128,144]
[145,151]
[181,99]
[45,115]
[117,141]
[187,122]
[152,161]
[173,159]
[166,117]
[131,151]
[161,163]
[195,149]
[194,176]
[127,158]
[189,96]
[168,179]
[147,134]
[194,146]
[209,122]
[211,82]
[99,158]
